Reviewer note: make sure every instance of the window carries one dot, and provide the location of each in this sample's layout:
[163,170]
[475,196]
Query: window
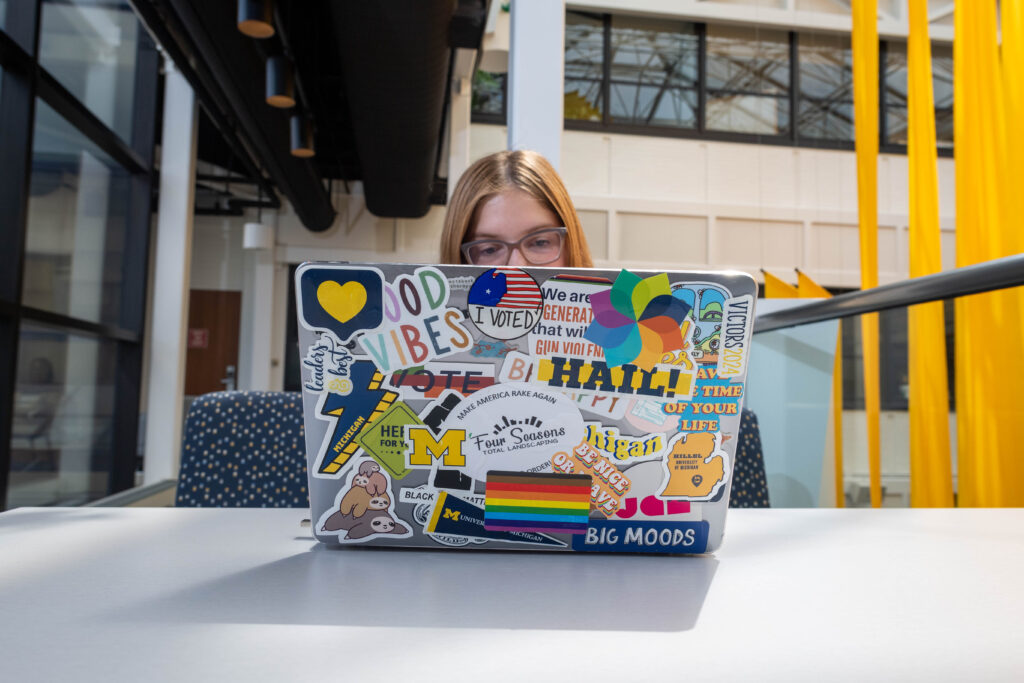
[825,108]
[78,203]
[747,80]
[78,94]
[489,95]
[653,72]
[894,94]
[62,433]
[584,66]
[90,48]
[724,82]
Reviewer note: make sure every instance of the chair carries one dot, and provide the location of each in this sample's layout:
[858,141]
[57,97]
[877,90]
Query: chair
[244,449]
[749,486]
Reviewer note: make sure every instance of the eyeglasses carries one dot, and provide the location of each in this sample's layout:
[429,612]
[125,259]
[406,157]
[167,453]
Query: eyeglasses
[538,248]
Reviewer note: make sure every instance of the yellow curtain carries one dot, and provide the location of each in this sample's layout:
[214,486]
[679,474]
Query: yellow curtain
[1012,23]
[1012,27]
[931,476]
[809,289]
[989,340]
[865,108]
[774,288]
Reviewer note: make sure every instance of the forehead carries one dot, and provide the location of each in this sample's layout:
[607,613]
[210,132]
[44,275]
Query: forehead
[509,215]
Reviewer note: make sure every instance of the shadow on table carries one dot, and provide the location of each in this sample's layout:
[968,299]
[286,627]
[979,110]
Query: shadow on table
[401,588]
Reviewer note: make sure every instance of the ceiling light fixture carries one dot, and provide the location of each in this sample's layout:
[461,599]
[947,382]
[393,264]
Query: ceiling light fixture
[280,82]
[302,136]
[256,18]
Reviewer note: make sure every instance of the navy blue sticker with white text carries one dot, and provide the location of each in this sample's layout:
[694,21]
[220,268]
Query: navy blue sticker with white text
[611,536]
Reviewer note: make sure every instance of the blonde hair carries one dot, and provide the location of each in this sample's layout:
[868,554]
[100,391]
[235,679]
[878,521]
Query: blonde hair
[493,174]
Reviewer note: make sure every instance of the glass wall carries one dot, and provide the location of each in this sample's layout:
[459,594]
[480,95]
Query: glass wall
[893,364]
[825,108]
[894,95]
[748,76]
[725,82]
[78,117]
[78,204]
[653,72]
[90,48]
[584,66]
[62,433]
[627,71]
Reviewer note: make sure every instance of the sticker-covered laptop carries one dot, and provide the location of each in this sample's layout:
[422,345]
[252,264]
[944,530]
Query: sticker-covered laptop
[521,408]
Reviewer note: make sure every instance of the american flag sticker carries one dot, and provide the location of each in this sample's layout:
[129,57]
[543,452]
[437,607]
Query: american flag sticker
[505,303]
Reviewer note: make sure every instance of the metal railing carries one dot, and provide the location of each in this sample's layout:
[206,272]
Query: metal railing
[982,277]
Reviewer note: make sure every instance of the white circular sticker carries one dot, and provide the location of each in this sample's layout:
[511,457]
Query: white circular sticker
[505,303]
[516,427]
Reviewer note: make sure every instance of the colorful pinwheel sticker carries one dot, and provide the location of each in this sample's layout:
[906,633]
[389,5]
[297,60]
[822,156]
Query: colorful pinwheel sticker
[637,320]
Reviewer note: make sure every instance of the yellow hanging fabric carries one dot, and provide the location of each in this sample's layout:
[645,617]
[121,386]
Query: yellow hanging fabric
[931,475]
[774,288]
[865,108]
[989,410]
[809,289]
[1012,28]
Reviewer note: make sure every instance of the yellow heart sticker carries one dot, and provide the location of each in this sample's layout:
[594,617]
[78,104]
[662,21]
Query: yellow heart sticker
[342,302]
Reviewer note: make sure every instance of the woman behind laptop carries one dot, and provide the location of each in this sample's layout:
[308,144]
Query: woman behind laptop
[511,208]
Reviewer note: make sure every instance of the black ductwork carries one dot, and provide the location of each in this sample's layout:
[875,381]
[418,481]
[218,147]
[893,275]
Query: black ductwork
[372,74]
[394,57]
[468,22]
[226,70]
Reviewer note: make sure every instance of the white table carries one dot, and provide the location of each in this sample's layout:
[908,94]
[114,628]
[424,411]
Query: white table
[96,594]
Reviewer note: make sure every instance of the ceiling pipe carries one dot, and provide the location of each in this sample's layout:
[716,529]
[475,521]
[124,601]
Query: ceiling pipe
[220,67]
[394,58]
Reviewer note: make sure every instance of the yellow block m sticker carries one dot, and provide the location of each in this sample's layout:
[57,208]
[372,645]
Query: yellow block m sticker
[423,448]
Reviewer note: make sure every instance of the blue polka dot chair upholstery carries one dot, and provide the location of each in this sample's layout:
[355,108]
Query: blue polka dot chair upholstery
[244,449]
[749,485]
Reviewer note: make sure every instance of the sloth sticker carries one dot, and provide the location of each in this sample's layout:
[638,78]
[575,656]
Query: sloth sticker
[505,303]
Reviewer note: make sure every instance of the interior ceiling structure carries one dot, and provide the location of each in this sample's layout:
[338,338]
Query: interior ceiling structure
[373,76]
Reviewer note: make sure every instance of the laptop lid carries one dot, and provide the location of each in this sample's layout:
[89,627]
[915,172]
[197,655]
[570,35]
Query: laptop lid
[522,408]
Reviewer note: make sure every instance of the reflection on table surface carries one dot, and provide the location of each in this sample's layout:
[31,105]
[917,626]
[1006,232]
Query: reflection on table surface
[190,594]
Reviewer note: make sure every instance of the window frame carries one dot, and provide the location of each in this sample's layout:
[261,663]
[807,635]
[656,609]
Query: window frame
[25,82]
[790,138]
[883,123]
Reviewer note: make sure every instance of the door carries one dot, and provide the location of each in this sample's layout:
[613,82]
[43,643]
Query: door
[212,360]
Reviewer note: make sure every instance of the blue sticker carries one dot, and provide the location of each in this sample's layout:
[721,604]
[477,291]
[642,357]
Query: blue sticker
[712,398]
[609,536]
[488,289]
[351,413]
[342,300]
[457,517]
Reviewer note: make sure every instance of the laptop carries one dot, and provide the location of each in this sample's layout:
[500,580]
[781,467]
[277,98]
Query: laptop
[552,409]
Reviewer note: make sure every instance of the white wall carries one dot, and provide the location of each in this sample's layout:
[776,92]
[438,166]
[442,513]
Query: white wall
[821,15]
[667,202]
[217,258]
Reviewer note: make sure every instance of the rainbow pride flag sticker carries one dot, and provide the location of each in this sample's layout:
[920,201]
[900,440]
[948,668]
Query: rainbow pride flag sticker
[542,503]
